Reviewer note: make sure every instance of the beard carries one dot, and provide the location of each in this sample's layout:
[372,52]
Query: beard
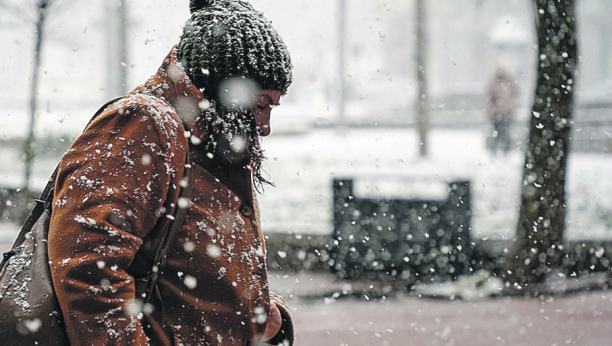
[233,140]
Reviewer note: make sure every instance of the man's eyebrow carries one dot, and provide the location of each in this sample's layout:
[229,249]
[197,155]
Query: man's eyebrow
[271,101]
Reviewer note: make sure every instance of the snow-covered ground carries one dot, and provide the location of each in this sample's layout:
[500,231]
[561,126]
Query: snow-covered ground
[303,168]
[385,162]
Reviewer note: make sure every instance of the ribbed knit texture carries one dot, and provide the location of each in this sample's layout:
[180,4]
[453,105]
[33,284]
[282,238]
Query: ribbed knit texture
[229,38]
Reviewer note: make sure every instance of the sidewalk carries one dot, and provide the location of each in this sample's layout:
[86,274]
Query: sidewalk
[335,313]
[579,319]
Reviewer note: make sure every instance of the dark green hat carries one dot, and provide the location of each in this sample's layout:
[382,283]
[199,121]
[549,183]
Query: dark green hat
[229,38]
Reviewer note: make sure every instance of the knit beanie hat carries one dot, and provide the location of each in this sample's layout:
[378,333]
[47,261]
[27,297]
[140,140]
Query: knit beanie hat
[229,38]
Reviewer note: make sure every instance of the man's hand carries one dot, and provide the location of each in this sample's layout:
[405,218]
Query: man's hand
[275,321]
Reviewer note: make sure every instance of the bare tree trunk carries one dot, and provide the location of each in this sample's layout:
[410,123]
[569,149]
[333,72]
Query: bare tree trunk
[542,214]
[422,95]
[28,147]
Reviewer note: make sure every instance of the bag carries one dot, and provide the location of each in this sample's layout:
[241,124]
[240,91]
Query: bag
[29,310]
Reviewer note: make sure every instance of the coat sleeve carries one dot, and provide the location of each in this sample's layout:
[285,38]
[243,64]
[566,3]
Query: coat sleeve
[285,336]
[110,191]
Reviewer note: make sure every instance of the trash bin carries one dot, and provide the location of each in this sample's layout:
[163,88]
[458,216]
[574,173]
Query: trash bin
[414,240]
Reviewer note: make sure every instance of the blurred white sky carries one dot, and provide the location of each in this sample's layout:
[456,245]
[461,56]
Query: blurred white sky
[463,44]
[74,56]
[75,52]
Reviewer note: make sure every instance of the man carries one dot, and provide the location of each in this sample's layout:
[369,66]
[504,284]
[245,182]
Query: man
[119,183]
[501,100]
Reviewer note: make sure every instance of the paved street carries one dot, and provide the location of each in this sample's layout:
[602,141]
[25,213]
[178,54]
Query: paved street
[582,319]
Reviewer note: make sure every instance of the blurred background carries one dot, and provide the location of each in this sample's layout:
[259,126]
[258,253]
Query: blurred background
[361,70]
[361,124]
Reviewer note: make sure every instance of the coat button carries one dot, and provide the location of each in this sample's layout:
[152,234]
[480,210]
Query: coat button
[246,210]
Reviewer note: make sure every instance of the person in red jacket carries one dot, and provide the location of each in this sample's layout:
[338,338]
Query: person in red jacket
[119,182]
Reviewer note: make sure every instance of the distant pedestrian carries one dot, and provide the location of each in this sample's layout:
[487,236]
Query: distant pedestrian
[501,101]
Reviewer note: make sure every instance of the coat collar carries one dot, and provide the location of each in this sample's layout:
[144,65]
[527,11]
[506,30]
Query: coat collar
[172,85]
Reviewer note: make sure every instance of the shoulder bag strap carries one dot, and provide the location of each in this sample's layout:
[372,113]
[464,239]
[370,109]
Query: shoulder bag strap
[172,229]
[170,233]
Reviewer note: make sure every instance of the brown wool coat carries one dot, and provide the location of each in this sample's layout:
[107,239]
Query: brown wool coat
[112,196]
